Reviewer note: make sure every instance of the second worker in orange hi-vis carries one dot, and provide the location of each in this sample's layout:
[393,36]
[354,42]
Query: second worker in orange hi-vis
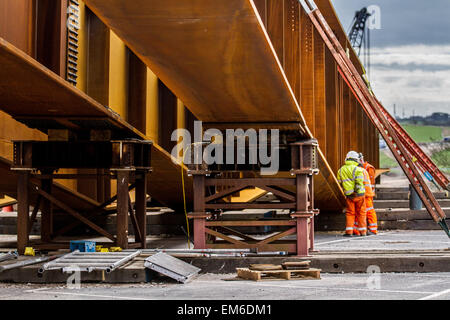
[372,221]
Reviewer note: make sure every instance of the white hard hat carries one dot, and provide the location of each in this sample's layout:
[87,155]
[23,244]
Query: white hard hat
[352,155]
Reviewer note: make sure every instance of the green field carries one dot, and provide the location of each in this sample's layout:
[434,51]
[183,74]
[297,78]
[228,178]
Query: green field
[387,162]
[424,133]
[442,160]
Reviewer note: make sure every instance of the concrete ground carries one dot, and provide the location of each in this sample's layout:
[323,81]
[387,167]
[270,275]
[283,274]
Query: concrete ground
[370,284]
[326,242]
[330,287]
[396,240]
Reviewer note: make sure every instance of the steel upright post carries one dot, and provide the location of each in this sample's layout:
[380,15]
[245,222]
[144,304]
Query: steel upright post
[122,208]
[199,211]
[141,207]
[23,211]
[47,210]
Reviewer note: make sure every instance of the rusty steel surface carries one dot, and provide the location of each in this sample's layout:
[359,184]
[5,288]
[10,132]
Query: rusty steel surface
[214,55]
[30,91]
[45,155]
[8,186]
[36,96]
[227,70]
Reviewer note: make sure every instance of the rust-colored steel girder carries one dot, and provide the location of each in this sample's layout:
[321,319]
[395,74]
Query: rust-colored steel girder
[216,56]
[31,93]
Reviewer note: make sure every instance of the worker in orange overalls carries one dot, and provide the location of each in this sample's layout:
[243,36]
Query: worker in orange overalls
[369,184]
[350,177]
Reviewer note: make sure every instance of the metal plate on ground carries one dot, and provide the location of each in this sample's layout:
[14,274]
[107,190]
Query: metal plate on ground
[8,256]
[90,261]
[171,267]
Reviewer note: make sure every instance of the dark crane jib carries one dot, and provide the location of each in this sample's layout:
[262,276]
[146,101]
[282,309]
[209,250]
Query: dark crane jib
[358,28]
[359,36]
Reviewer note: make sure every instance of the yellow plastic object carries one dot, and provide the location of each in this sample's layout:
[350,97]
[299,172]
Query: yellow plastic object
[98,248]
[104,250]
[115,249]
[29,251]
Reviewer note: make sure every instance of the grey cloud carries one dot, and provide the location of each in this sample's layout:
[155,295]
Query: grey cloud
[411,67]
[415,79]
[429,84]
[390,79]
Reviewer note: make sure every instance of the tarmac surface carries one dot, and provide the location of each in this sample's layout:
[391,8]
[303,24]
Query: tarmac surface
[369,284]
[434,286]
[397,240]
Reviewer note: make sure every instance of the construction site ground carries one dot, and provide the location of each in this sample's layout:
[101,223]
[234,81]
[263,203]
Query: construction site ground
[351,260]
[391,286]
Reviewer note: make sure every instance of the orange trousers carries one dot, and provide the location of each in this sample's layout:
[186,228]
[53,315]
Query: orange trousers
[372,221]
[356,213]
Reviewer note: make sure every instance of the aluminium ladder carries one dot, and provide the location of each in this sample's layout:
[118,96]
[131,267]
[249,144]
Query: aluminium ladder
[399,142]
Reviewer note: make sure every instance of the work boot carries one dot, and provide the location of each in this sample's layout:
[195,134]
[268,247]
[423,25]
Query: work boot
[348,235]
[370,233]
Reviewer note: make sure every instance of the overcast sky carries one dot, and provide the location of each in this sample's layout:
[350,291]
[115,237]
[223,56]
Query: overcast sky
[410,53]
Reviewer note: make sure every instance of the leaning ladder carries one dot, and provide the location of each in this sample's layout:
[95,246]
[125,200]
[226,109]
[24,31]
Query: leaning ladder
[422,160]
[401,145]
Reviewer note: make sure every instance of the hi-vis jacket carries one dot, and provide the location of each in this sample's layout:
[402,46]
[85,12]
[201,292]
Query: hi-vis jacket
[368,185]
[351,178]
[371,170]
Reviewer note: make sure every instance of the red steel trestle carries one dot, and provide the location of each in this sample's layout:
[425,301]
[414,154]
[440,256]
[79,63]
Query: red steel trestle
[213,190]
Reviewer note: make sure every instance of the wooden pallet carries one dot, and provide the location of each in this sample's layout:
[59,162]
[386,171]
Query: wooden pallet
[307,274]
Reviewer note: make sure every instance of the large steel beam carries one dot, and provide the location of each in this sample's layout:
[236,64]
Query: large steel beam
[332,115]
[23,211]
[220,78]
[320,110]
[307,70]
[292,56]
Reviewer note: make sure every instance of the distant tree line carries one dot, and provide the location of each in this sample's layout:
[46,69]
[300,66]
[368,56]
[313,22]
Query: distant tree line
[440,119]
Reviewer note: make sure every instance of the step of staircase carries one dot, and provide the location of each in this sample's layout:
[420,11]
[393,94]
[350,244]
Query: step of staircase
[395,204]
[396,219]
[402,194]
